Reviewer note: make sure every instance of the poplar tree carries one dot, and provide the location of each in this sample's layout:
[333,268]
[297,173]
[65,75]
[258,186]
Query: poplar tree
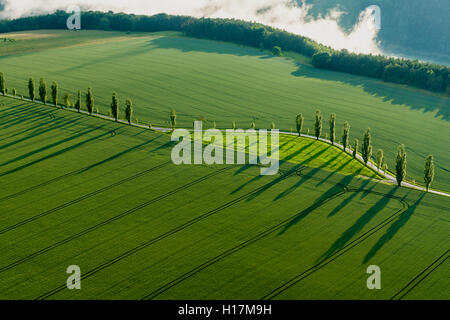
[2,84]
[429,171]
[31,89]
[332,128]
[366,150]
[90,101]
[355,148]
[380,159]
[318,124]
[67,100]
[43,90]
[400,165]
[173,119]
[299,122]
[345,135]
[129,110]
[54,92]
[78,103]
[115,106]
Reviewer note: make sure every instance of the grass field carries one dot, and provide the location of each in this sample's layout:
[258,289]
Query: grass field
[222,82]
[105,196]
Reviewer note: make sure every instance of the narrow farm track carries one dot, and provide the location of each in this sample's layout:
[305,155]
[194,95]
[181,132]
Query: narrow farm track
[108,221]
[421,276]
[171,232]
[84,197]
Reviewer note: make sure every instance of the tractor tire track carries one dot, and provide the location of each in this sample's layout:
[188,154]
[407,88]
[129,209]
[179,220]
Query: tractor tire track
[108,221]
[168,233]
[344,249]
[84,197]
[421,276]
[56,179]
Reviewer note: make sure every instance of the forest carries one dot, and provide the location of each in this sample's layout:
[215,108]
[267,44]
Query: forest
[402,71]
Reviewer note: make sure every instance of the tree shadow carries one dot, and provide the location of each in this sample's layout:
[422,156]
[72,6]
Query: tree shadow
[342,166]
[336,190]
[118,155]
[282,162]
[50,146]
[305,178]
[413,98]
[273,182]
[362,221]
[57,153]
[16,110]
[55,124]
[349,199]
[21,120]
[393,229]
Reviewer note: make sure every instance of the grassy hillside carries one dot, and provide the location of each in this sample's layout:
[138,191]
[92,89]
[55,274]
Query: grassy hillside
[105,196]
[223,82]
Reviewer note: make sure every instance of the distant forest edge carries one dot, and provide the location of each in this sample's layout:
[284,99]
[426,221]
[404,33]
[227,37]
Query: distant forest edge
[402,71]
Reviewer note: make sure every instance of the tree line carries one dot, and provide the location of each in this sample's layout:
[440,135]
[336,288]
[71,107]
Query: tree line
[43,92]
[410,72]
[366,148]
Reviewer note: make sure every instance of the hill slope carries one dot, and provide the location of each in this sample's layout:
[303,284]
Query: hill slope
[223,82]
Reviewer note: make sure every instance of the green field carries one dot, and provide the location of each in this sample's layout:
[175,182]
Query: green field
[80,190]
[105,196]
[222,82]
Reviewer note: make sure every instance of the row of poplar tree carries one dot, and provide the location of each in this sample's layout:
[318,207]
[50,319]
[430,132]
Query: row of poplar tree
[367,149]
[54,98]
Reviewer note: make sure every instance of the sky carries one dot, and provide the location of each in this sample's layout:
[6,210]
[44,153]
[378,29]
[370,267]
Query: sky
[283,14]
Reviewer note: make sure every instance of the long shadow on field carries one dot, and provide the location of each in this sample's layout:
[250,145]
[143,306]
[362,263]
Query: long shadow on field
[284,160]
[305,178]
[407,96]
[332,173]
[366,192]
[13,132]
[186,44]
[15,110]
[362,221]
[52,145]
[335,190]
[35,127]
[393,229]
[273,183]
[29,117]
[57,153]
[164,146]
[54,125]
[349,199]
